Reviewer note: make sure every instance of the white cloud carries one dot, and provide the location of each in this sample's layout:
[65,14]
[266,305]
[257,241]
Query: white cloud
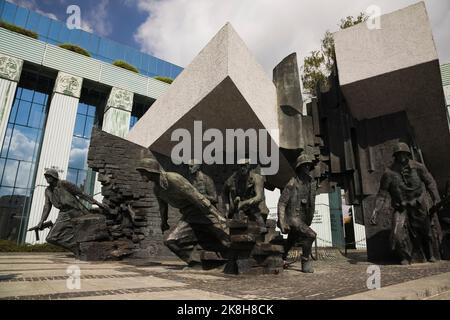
[176,30]
[32,5]
[97,20]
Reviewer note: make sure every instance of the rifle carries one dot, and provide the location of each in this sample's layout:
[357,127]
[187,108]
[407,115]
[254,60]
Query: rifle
[46,225]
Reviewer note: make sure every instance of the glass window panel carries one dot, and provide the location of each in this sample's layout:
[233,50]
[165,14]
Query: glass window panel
[33,21]
[82,109]
[27,95]
[21,192]
[23,143]
[134,57]
[23,113]
[144,62]
[88,127]
[2,165]
[152,65]
[44,26]
[4,191]
[160,67]
[21,17]
[72,175]
[6,141]
[78,153]
[36,114]
[133,121]
[64,35]
[40,98]
[12,115]
[23,175]
[10,172]
[81,178]
[75,36]
[116,51]
[85,39]
[93,44]
[91,111]
[104,47]
[55,28]
[79,125]
[9,12]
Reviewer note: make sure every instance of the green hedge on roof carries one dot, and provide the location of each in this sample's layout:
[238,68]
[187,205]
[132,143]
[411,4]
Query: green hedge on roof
[164,79]
[14,28]
[125,65]
[75,48]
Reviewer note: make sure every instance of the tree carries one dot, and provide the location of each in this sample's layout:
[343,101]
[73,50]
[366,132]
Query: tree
[319,64]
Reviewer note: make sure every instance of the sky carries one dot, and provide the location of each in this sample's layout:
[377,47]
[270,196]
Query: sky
[176,30]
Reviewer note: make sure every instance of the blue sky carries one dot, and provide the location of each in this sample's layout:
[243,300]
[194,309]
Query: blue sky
[114,19]
[176,30]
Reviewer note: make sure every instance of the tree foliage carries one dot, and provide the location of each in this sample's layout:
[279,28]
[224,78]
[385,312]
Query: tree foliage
[319,64]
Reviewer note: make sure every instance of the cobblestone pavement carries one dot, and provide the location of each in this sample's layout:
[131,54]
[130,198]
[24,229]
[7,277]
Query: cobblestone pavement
[44,276]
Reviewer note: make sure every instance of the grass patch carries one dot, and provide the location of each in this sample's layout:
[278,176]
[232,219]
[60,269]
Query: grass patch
[17,29]
[75,48]
[10,246]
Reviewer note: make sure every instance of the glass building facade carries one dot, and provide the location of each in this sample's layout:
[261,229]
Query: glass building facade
[20,153]
[56,32]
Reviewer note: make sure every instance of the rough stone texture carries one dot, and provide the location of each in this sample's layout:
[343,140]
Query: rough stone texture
[225,88]
[43,276]
[290,103]
[396,69]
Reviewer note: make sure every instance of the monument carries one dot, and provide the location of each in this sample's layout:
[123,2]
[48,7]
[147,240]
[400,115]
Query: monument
[343,137]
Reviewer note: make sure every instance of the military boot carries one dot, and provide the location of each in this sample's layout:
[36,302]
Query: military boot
[307,265]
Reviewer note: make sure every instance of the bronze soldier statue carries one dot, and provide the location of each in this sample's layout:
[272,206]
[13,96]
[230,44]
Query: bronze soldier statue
[416,231]
[244,195]
[202,182]
[296,209]
[201,223]
[66,197]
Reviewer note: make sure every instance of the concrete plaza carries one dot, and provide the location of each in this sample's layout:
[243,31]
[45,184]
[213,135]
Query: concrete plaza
[44,277]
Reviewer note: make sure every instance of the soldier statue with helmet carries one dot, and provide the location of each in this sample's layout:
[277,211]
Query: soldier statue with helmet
[411,191]
[296,209]
[66,197]
[201,225]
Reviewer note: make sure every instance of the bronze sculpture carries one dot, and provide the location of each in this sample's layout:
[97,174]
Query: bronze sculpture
[296,209]
[202,182]
[66,197]
[244,195]
[201,225]
[412,193]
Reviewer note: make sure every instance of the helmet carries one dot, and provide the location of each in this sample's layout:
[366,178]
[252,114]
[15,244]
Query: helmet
[303,159]
[149,165]
[243,161]
[52,173]
[401,147]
